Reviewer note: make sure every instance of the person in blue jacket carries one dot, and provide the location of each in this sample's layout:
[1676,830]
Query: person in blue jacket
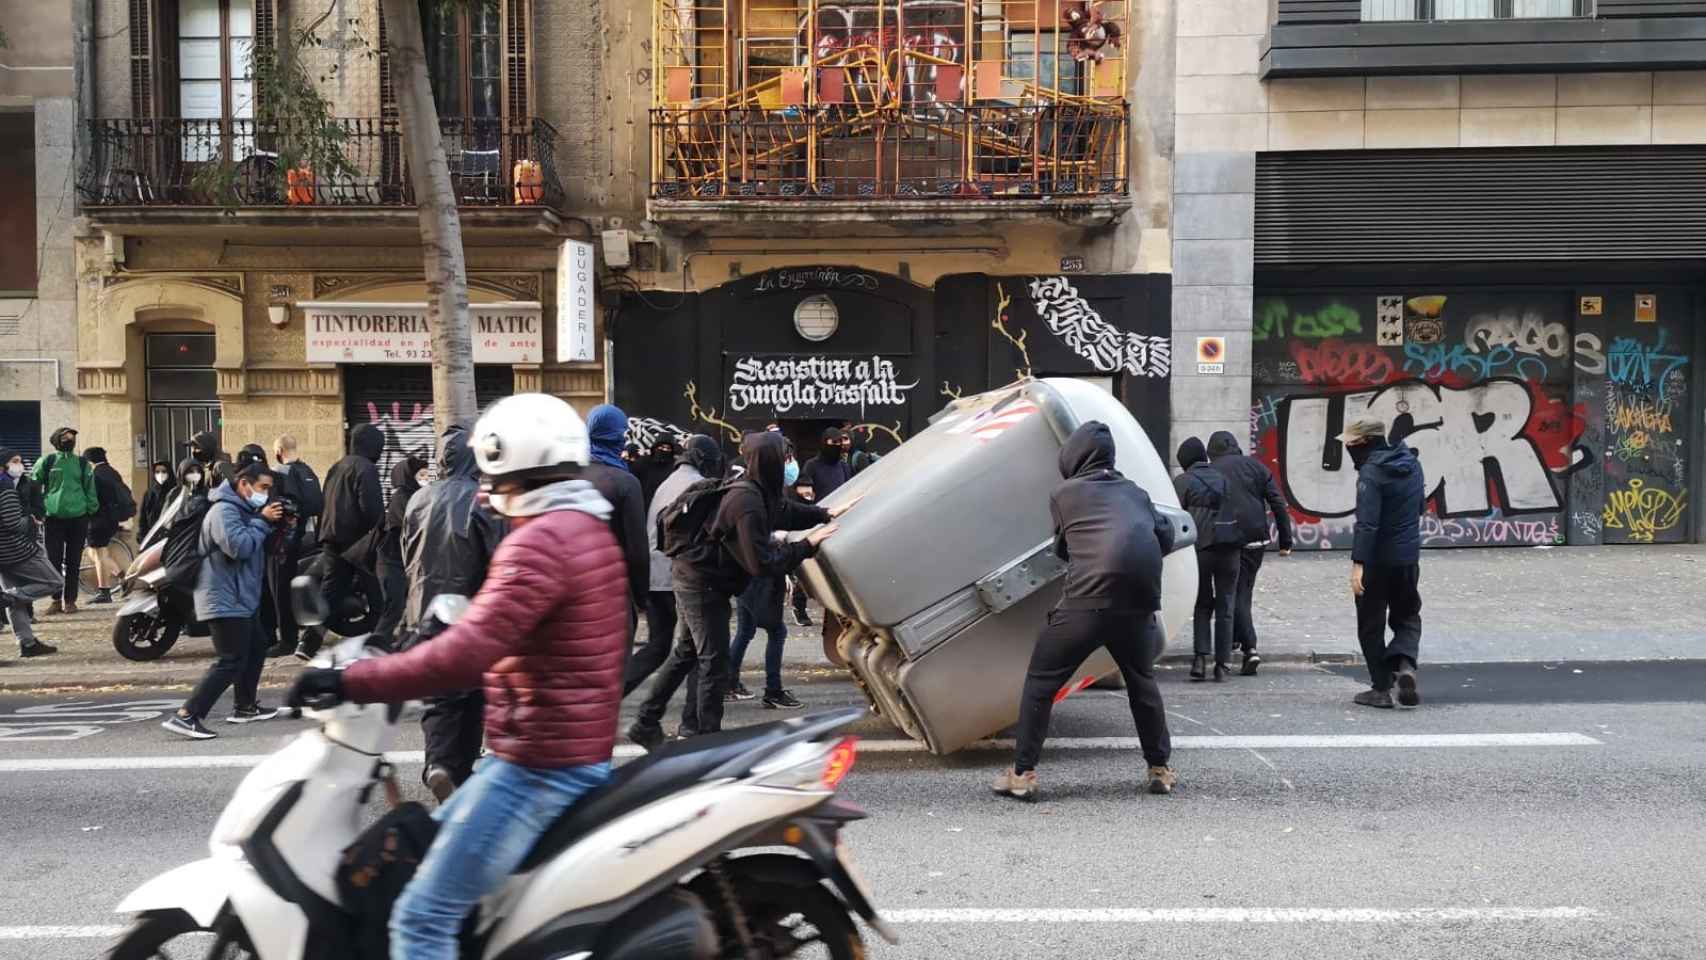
[234,539]
[1386,556]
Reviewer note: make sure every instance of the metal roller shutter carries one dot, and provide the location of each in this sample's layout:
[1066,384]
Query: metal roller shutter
[1396,206]
[398,400]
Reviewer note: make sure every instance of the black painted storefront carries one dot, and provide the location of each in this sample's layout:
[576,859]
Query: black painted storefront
[730,360]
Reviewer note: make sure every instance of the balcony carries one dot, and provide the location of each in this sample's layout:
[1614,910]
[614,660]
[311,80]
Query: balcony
[796,110]
[147,170]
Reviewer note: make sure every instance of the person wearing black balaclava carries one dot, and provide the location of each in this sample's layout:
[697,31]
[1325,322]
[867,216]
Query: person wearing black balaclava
[1386,557]
[738,546]
[217,467]
[355,507]
[826,472]
[407,476]
[656,466]
[447,543]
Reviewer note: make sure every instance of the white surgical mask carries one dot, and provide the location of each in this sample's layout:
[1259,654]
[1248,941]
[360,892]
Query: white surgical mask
[258,499]
[161,476]
[14,470]
[421,478]
[192,478]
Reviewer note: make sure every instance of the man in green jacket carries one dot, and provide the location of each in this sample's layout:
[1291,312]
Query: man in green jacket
[69,500]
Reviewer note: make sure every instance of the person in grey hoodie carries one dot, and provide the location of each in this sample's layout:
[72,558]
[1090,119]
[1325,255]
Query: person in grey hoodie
[1206,493]
[234,538]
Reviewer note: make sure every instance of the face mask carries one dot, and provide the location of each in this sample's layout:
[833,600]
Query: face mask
[192,479]
[14,470]
[1360,453]
[258,499]
[67,445]
[790,473]
[161,476]
[421,478]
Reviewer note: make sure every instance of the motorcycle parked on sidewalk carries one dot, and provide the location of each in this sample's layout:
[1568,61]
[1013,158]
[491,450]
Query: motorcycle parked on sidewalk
[661,862]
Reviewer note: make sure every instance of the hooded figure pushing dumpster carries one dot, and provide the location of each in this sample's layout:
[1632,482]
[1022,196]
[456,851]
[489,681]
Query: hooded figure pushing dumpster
[1113,541]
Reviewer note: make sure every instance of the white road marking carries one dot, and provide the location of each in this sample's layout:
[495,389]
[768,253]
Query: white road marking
[1364,915]
[1243,915]
[1376,741]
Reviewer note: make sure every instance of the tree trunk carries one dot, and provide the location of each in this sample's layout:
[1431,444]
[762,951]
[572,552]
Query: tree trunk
[441,226]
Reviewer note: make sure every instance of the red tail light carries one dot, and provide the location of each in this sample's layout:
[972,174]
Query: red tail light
[840,762]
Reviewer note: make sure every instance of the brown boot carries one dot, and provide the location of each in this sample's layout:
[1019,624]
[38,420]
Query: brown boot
[1019,786]
[54,608]
[70,607]
[1162,780]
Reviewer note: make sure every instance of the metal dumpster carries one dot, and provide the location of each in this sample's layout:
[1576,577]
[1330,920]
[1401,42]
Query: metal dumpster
[945,571]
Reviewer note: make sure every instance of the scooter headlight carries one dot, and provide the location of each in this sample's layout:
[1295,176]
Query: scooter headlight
[816,767]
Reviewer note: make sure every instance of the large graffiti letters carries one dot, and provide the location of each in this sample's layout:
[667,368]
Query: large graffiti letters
[1631,363]
[1336,363]
[1071,318]
[1469,440]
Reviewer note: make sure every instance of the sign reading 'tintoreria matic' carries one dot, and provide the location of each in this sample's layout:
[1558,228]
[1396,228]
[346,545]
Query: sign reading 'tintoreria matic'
[510,332]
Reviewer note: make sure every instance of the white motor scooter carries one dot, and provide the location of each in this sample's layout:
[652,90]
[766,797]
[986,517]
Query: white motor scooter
[659,863]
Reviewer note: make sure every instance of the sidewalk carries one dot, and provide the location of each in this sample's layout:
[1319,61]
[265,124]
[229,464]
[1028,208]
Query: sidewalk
[1517,603]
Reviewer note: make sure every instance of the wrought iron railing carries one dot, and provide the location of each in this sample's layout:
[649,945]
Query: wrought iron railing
[1064,150]
[359,162]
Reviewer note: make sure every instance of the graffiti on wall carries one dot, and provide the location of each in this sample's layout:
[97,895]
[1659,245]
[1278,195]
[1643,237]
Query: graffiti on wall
[645,432]
[1529,428]
[799,384]
[1109,349]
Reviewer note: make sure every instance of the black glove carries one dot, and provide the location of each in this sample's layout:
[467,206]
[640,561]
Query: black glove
[317,688]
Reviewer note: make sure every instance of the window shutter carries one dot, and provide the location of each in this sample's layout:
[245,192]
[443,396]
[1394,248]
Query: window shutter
[387,90]
[141,58]
[518,54]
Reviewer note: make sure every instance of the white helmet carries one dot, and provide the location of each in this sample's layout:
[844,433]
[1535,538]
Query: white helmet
[530,435]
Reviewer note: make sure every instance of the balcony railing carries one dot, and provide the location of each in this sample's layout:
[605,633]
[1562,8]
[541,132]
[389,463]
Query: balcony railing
[1388,10]
[1069,149]
[494,162]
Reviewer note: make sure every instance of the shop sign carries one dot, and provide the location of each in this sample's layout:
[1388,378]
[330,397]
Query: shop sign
[577,301]
[510,332]
[780,385]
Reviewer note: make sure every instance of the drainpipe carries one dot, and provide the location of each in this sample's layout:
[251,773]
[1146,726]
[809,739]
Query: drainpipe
[58,385]
[83,79]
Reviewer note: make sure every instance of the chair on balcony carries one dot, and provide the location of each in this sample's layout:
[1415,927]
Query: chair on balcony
[478,175]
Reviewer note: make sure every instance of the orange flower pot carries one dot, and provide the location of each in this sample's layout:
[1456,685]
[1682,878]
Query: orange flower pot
[301,183]
[529,182]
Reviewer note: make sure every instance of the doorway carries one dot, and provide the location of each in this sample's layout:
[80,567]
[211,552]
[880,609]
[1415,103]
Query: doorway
[182,393]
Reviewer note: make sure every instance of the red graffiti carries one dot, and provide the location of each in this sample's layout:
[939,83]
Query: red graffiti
[1335,363]
[1554,427]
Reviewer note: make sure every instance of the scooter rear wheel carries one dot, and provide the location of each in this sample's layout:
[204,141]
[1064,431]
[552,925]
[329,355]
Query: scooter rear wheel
[144,636]
[167,934]
[803,922]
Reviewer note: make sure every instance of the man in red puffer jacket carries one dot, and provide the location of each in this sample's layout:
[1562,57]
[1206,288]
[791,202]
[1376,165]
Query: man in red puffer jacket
[544,636]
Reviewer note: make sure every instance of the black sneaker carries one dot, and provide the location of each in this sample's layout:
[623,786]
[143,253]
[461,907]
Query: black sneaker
[37,649]
[188,727]
[802,618]
[254,714]
[1251,662]
[737,692]
[280,649]
[1408,695]
[647,737]
[104,596]
[780,700]
[304,654]
[1381,699]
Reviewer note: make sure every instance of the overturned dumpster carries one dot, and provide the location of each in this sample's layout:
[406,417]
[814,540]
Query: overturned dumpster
[945,571]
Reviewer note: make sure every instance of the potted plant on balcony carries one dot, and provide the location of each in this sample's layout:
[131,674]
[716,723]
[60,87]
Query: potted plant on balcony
[529,182]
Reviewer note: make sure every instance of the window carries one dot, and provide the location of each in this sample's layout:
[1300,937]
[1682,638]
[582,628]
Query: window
[464,50]
[1025,61]
[1387,10]
[216,39]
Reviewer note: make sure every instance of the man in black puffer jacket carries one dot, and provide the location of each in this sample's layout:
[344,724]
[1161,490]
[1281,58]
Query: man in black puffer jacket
[355,507]
[1255,495]
[1113,541]
[1386,560]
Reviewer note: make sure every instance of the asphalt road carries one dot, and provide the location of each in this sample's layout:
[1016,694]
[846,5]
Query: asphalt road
[1586,842]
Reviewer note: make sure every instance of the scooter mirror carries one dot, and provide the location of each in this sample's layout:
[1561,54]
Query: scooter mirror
[306,601]
[447,608]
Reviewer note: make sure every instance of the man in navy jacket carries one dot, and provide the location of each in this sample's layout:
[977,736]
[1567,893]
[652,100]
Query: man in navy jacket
[1386,560]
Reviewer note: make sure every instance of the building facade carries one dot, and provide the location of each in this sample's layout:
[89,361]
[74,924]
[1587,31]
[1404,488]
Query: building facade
[1480,220]
[38,290]
[292,301]
[851,212]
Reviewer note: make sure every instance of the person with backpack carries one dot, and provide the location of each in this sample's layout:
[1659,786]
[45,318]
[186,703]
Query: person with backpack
[858,457]
[701,459]
[234,536]
[545,635]
[355,508]
[1255,495]
[718,537]
[297,485]
[448,542]
[25,574]
[613,478]
[1206,494]
[69,499]
[116,506]
[217,467]
[154,499]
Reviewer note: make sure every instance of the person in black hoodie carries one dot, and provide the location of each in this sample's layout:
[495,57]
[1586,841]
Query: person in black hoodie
[117,506]
[613,478]
[1113,541]
[355,507]
[656,466]
[1205,492]
[826,472]
[1386,556]
[216,466]
[738,548]
[296,483]
[407,476]
[159,493]
[1256,495]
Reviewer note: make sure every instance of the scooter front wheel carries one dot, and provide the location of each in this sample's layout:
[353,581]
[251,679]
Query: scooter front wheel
[144,636]
[167,934]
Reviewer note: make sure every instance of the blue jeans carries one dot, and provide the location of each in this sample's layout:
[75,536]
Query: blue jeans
[486,830]
[746,627]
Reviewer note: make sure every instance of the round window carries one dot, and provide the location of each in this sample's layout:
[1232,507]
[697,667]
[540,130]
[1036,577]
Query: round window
[816,317]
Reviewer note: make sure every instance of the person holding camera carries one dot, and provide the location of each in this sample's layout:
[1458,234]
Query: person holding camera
[234,535]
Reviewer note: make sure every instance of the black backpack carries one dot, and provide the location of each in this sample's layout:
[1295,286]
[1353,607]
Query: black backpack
[684,527]
[305,487]
[376,867]
[182,554]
